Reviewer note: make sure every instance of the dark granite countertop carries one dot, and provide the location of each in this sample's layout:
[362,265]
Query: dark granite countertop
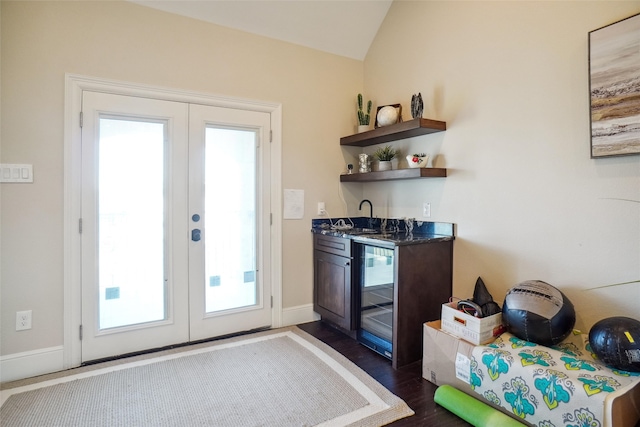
[383,231]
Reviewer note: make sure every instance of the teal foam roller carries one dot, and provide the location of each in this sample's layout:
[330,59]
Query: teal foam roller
[472,410]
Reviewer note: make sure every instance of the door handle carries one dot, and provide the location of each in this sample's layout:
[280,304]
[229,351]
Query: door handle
[195,234]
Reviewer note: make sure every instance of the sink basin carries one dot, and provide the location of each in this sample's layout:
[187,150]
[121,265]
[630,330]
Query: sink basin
[363,231]
[379,235]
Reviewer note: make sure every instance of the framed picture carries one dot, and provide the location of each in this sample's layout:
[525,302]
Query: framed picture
[614,87]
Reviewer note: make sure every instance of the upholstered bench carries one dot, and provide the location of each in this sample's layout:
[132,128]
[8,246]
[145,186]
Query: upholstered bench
[560,386]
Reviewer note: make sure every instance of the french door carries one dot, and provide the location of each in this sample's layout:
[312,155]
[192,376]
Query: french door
[175,223]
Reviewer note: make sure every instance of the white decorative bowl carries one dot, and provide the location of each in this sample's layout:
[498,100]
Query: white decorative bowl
[420,163]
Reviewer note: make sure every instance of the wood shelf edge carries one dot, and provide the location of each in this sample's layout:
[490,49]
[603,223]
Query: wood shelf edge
[398,131]
[394,174]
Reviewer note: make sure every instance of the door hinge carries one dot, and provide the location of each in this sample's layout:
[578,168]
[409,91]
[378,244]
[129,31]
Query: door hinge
[270,136]
[270,219]
[81,119]
[80,225]
[271,301]
[80,332]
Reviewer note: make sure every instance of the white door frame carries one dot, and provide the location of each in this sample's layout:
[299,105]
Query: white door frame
[74,85]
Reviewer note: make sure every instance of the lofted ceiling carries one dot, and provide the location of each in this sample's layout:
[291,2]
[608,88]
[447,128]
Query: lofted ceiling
[341,27]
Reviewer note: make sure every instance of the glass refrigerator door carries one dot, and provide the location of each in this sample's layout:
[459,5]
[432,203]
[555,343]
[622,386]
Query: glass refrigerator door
[376,309]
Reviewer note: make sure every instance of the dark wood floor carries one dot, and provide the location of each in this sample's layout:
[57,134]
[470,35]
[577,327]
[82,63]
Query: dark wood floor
[406,383]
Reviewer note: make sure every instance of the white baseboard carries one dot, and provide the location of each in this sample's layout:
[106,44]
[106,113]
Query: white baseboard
[46,360]
[300,314]
[31,363]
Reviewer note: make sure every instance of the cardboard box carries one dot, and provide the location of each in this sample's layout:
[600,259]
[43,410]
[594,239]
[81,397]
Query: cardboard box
[476,330]
[446,359]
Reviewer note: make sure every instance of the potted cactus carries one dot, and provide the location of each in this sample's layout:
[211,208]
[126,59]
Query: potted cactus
[363,118]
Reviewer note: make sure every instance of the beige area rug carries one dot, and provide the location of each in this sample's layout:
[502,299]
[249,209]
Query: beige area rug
[283,377]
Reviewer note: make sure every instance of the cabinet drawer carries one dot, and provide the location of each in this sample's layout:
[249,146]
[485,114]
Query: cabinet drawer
[333,245]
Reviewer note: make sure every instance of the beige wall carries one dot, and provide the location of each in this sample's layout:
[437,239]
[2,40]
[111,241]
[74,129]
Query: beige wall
[511,81]
[41,41]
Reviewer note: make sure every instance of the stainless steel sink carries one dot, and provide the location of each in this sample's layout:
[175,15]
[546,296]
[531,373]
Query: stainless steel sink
[363,231]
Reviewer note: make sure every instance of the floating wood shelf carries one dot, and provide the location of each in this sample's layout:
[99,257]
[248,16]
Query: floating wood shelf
[408,129]
[394,174]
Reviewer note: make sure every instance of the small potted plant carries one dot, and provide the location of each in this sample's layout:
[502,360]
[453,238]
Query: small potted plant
[385,155]
[417,160]
[363,118]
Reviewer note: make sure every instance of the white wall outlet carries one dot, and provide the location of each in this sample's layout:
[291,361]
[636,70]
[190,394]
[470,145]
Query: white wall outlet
[426,210]
[321,210]
[23,320]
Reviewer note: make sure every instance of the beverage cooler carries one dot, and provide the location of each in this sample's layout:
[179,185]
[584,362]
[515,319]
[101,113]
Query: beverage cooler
[375,297]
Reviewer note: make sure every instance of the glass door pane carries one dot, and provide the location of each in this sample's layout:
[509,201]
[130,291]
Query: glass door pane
[376,298]
[131,222]
[230,218]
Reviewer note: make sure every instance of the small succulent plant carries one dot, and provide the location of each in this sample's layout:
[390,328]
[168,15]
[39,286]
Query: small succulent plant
[386,153]
[364,118]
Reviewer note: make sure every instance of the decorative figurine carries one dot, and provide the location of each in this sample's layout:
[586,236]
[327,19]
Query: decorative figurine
[416,105]
[364,164]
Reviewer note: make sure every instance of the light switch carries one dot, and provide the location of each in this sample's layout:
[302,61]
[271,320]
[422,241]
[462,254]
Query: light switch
[16,173]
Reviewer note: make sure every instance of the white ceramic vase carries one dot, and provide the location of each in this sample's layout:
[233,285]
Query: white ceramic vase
[363,128]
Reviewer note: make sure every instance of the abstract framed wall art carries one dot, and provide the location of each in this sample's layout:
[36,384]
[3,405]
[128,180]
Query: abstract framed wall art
[614,86]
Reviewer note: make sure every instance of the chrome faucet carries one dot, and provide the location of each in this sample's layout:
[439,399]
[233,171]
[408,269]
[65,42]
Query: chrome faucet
[370,207]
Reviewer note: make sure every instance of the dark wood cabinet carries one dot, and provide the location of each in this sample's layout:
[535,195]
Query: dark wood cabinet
[423,278]
[332,290]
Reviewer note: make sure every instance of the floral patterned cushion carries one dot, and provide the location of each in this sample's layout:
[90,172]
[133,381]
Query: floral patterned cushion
[563,385]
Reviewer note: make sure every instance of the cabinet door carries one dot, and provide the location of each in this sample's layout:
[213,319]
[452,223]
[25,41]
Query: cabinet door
[332,288]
